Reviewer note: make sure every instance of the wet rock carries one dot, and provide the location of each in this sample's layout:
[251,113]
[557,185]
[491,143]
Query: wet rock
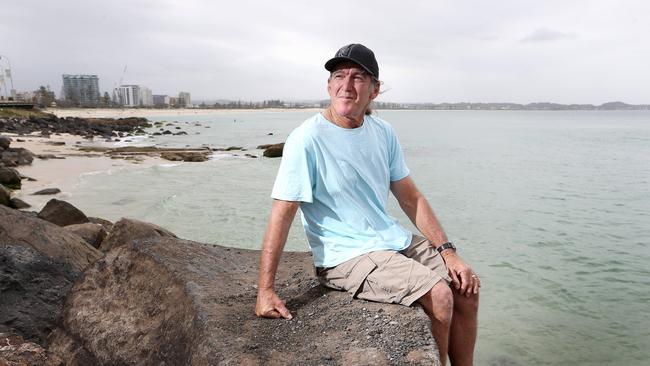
[198,303]
[47,191]
[33,289]
[127,230]
[10,178]
[62,213]
[273,151]
[167,132]
[15,351]
[92,233]
[189,156]
[23,228]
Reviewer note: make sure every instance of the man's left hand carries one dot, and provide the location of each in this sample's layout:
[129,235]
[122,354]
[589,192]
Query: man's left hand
[462,276]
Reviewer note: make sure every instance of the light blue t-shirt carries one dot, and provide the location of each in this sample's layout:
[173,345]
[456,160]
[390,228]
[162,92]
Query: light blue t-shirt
[342,179]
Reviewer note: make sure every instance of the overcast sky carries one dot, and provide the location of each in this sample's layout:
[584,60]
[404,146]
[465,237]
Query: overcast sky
[428,51]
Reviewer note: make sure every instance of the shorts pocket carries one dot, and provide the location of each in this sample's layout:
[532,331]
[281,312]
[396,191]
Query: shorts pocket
[349,275]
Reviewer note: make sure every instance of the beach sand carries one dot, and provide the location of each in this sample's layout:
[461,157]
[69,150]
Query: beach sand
[64,174]
[150,112]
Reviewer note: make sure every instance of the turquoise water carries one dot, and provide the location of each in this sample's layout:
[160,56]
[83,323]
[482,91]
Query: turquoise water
[552,209]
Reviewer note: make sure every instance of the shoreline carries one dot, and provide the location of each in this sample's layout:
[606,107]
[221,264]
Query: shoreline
[155,112]
[65,165]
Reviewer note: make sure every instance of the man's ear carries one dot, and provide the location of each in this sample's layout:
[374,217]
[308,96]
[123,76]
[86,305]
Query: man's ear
[375,93]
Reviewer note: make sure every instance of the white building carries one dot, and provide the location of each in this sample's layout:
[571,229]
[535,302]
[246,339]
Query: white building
[184,100]
[133,96]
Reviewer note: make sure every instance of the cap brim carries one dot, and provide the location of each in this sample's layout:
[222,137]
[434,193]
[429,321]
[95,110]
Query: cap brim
[331,64]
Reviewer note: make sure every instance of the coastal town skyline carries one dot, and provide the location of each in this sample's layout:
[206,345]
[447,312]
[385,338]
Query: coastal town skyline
[520,52]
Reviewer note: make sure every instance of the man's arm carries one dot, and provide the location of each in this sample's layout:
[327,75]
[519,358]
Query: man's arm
[269,305]
[417,208]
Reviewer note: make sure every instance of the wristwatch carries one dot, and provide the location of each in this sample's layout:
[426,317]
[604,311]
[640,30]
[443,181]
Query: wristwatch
[445,246]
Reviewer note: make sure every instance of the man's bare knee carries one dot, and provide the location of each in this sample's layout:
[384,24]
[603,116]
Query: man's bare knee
[438,303]
[466,305]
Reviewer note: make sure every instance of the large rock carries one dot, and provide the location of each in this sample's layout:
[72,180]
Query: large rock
[15,351]
[127,230]
[273,151]
[62,213]
[17,156]
[176,302]
[92,233]
[5,196]
[33,288]
[18,203]
[5,141]
[10,178]
[22,228]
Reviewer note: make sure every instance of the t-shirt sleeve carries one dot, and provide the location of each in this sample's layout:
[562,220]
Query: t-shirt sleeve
[397,165]
[294,179]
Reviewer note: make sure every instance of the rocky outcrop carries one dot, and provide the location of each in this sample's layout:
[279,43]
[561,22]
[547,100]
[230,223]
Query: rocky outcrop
[177,302]
[189,156]
[33,288]
[272,150]
[21,228]
[15,351]
[92,233]
[48,123]
[62,213]
[10,178]
[126,230]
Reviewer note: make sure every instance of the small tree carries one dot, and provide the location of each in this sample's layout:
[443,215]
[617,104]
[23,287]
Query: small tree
[44,97]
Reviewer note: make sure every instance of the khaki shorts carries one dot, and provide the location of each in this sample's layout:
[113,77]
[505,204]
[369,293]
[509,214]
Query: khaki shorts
[389,276]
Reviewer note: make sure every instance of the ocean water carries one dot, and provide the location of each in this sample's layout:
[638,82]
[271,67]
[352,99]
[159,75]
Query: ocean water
[552,210]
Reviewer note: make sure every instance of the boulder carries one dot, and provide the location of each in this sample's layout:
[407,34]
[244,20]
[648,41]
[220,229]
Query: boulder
[5,142]
[23,228]
[17,156]
[126,230]
[62,213]
[5,196]
[92,233]
[17,203]
[107,225]
[33,289]
[177,302]
[273,151]
[10,178]
[15,351]
[47,191]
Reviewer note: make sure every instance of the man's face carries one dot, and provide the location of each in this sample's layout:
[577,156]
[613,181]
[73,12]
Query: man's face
[351,89]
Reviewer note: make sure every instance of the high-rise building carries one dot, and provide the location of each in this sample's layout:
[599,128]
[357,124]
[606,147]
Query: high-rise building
[184,100]
[133,96]
[81,90]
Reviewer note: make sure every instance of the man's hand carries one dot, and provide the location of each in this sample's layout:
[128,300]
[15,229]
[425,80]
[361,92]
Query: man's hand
[462,276]
[269,305]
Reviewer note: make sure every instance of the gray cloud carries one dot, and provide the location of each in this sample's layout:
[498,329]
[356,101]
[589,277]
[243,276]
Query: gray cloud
[547,35]
[429,51]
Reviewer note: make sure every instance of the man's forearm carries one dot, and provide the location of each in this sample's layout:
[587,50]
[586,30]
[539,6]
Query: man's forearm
[282,214]
[425,220]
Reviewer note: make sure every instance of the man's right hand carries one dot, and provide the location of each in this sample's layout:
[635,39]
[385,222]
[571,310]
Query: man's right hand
[269,305]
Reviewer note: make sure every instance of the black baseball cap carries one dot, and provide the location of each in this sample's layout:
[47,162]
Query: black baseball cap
[357,53]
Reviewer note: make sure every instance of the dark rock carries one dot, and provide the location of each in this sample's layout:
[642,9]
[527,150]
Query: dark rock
[156,133]
[47,191]
[178,302]
[190,156]
[55,143]
[177,127]
[127,230]
[10,178]
[17,203]
[62,213]
[92,233]
[269,134]
[5,142]
[167,132]
[5,196]
[231,148]
[274,151]
[24,228]
[33,289]
[49,156]
[180,133]
[15,351]
[17,156]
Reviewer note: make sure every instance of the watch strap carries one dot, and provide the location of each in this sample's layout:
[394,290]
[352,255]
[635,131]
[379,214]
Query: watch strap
[445,246]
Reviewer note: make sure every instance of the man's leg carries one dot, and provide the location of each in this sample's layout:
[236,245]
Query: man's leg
[438,304]
[462,336]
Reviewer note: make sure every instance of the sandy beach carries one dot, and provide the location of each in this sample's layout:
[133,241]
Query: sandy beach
[149,112]
[65,165]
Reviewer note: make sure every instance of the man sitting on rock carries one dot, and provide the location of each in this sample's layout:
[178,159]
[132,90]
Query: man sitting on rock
[338,167]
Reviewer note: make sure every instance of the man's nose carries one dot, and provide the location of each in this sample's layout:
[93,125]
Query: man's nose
[348,82]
